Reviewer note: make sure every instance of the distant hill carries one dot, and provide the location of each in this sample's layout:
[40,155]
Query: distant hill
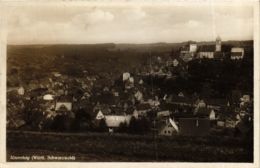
[161,46]
[95,58]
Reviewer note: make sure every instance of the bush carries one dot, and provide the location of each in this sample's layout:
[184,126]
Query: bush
[139,126]
[123,127]
[102,127]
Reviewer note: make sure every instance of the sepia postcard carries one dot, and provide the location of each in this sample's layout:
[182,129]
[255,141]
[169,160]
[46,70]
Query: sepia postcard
[129,83]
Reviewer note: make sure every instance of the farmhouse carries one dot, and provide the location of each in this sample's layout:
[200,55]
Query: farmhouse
[206,51]
[169,128]
[237,53]
[113,121]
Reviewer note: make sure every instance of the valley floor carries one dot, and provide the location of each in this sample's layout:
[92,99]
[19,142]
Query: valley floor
[103,147]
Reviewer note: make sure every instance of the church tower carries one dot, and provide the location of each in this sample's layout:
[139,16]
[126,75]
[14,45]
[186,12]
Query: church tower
[218,44]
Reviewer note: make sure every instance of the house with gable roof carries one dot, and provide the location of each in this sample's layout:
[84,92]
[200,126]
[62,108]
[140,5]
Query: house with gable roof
[63,106]
[169,128]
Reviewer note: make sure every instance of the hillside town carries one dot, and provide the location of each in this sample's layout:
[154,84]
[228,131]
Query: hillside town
[138,101]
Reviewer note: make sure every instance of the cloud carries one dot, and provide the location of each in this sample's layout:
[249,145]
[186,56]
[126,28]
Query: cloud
[192,23]
[18,20]
[134,13]
[127,25]
[94,17]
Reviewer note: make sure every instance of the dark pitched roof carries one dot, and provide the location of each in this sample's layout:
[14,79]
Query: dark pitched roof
[185,99]
[226,48]
[203,112]
[207,48]
[236,54]
[185,48]
[143,106]
[216,102]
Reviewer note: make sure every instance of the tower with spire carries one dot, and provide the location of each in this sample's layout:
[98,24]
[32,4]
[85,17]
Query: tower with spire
[218,44]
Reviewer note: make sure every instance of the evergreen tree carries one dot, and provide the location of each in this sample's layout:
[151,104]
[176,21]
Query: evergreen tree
[122,127]
[102,126]
[133,125]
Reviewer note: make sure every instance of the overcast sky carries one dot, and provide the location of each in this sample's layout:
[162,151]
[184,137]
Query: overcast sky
[128,24]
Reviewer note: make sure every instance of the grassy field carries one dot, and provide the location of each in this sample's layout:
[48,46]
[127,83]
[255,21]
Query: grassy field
[122,147]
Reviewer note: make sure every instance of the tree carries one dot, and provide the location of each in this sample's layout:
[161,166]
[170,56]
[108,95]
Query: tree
[122,127]
[139,126]
[144,125]
[102,126]
[82,120]
[58,123]
[133,125]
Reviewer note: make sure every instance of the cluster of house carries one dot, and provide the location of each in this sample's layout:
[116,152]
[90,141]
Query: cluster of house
[52,95]
[217,51]
[175,114]
[180,113]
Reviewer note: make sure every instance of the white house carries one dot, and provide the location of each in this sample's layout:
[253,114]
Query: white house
[175,62]
[48,97]
[100,115]
[141,81]
[193,47]
[56,74]
[131,80]
[212,115]
[237,53]
[139,96]
[113,121]
[135,114]
[126,76]
[20,91]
